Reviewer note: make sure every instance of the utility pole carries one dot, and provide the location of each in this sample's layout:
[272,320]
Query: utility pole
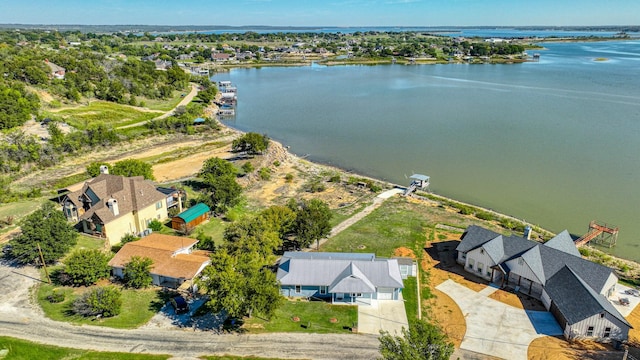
[44,265]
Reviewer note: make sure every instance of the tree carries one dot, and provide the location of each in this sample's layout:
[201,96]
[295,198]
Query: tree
[133,167]
[312,221]
[47,228]
[219,178]
[216,167]
[422,341]
[93,169]
[241,284]
[85,267]
[137,272]
[251,143]
[104,301]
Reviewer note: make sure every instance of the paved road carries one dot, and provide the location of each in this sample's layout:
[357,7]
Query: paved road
[20,319]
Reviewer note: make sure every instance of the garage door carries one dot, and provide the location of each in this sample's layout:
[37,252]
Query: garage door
[385,294]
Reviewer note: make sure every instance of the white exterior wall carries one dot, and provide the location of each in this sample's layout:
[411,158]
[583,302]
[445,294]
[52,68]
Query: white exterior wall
[609,287]
[619,331]
[476,257]
[521,268]
[546,300]
[462,258]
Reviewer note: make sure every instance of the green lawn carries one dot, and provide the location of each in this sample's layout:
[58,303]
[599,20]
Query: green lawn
[27,350]
[91,243]
[410,296]
[214,228]
[105,112]
[18,210]
[314,317]
[392,225]
[166,105]
[138,307]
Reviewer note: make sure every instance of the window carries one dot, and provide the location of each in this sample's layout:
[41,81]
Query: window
[471,263]
[481,251]
[463,256]
[298,289]
[353,295]
[607,332]
[480,266]
[159,205]
[590,331]
[601,315]
[323,290]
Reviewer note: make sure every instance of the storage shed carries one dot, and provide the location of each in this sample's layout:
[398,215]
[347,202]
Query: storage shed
[191,217]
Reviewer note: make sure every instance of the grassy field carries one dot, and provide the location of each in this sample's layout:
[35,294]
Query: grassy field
[410,296]
[397,223]
[27,350]
[105,112]
[166,105]
[138,307]
[88,242]
[18,210]
[312,317]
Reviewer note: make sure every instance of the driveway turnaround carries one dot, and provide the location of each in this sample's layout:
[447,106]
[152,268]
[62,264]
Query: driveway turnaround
[495,328]
[386,315]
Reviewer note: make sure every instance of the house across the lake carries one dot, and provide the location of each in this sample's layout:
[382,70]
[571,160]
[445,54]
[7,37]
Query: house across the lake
[340,277]
[575,290]
[174,261]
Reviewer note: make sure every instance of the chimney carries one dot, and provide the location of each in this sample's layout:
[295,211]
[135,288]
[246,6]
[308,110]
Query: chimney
[104,169]
[112,204]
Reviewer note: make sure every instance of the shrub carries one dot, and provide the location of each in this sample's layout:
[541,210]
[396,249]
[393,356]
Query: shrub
[104,301]
[128,238]
[155,225]
[314,186]
[289,177]
[137,272]
[265,173]
[276,163]
[485,215]
[86,267]
[335,178]
[247,167]
[56,297]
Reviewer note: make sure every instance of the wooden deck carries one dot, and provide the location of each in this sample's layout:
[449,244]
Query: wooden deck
[597,231]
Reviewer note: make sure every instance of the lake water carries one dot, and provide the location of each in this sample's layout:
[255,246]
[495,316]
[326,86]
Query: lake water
[556,142]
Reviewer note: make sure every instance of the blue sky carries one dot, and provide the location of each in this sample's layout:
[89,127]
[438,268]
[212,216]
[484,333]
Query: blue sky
[323,12]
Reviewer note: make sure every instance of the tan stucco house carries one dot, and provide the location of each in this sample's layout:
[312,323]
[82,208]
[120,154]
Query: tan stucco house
[112,206]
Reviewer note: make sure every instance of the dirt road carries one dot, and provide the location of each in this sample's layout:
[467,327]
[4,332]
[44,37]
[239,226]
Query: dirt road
[184,102]
[21,319]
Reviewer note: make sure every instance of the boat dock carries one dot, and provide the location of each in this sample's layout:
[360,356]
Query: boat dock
[603,234]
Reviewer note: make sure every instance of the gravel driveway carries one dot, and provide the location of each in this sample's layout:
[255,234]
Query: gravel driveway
[20,318]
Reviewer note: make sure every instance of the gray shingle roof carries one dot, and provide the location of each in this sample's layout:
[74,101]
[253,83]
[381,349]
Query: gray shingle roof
[553,260]
[564,242]
[332,272]
[575,299]
[474,237]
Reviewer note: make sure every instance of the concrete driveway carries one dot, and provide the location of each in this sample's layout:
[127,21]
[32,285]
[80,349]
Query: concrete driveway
[386,315]
[495,328]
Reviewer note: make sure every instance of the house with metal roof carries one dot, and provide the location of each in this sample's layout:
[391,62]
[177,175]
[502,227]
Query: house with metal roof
[575,290]
[190,218]
[340,277]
